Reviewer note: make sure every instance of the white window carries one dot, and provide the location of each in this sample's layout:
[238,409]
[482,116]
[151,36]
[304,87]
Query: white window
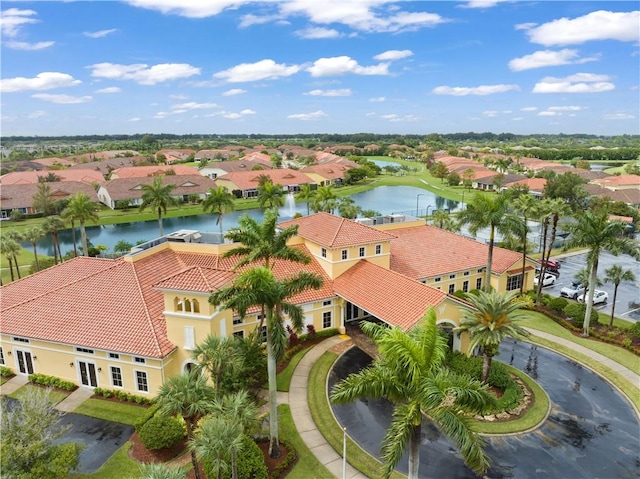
[189,338]
[20,340]
[378,249]
[345,253]
[116,376]
[452,288]
[239,334]
[466,273]
[465,286]
[114,356]
[323,252]
[1,356]
[238,320]
[361,251]
[140,360]
[326,302]
[452,276]
[84,350]
[326,320]
[479,283]
[142,384]
[438,279]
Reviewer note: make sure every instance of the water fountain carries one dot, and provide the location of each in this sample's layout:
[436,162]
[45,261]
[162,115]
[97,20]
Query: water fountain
[289,209]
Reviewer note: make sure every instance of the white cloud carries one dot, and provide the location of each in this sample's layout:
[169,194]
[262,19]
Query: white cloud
[314,33]
[529,108]
[598,25]
[517,118]
[193,106]
[235,116]
[234,92]
[378,99]
[134,119]
[42,81]
[490,113]
[62,99]
[251,19]
[28,46]
[479,90]
[189,9]
[525,26]
[395,118]
[391,55]
[340,92]
[482,3]
[546,58]
[548,113]
[336,66]
[263,70]
[566,108]
[111,89]
[316,115]
[13,19]
[37,114]
[100,33]
[618,116]
[143,74]
[578,83]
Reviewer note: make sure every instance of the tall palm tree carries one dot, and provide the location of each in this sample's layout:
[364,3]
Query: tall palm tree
[617,275]
[324,200]
[525,205]
[486,212]
[33,235]
[190,396]
[52,225]
[217,441]
[259,287]
[554,209]
[219,201]
[596,232]
[220,358]
[270,195]
[82,209]
[157,196]
[43,200]
[410,372]
[15,238]
[10,248]
[347,208]
[307,193]
[67,217]
[494,317]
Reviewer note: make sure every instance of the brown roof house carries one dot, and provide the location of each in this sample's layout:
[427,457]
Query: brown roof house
[327,174]
[247,182]
[20,196]
[221,168]
[26,177]
[152,170]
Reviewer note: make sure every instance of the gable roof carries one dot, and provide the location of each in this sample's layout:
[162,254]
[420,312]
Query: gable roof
[392,297]
[248,180]
[128,188]
[332,231]
[244,164]
[427,251]
[21,195]
[85,175]
[330,171]
[153,170]
[197,279]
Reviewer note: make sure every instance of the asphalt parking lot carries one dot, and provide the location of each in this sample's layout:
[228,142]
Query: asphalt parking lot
[628,300]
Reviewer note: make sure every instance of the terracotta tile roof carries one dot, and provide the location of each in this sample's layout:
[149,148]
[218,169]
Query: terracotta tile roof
[398,300]
[427,251]
[534,184]
[247,180]
[48,162]
[197,278]
[323,157]
[25,177]
[630,196]
[152,170]
[245,164]
[107,165]
[617,181]
[330,171]
[334,232]
[21,195]
[508,178]
[129,188]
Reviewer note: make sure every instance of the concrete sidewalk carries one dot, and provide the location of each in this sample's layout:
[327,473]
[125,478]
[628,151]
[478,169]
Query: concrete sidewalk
[13,384]
[73,400]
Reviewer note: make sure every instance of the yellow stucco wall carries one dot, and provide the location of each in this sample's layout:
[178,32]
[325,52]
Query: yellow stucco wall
[334,265]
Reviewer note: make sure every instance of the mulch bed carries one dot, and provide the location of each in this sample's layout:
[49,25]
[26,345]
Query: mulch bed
[115,399]
[271,462]
[142,454]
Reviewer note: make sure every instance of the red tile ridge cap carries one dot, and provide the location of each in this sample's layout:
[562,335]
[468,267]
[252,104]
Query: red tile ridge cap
[152,327]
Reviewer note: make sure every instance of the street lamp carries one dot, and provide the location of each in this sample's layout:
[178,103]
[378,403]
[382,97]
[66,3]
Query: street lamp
[463,199]
[429,206]
[418,199]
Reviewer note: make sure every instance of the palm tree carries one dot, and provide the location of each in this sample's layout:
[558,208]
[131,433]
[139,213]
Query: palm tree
[258,286]
[494,317]
[14,247]
[220,358]
[525,205]
[270,195]
[159,471]
[410,372]
[43,200]
[596,232]
[553,210]
[52,225]
[158,197]
[486,212]
[10,248]
[189,396]
[325,200]
[617,275]
[81,209]
[307,193]
[347,208]
[33,235]
[217,441]
[219,202]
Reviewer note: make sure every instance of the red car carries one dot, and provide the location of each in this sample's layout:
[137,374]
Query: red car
[550,264]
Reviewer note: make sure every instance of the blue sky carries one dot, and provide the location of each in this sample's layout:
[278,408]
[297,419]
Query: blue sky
[311,66]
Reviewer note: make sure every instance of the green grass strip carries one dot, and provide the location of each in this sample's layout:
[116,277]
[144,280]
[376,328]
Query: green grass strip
[55,396]
[330,429]
[308,465]
[118,466]
[111,411]
[283,380]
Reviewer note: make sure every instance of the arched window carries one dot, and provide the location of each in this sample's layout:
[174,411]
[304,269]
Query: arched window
[196,305]
[178,304]
[187,305]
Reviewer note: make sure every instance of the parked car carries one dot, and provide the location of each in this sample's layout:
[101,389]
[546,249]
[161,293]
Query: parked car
[548,280]
[574,290]
[550,264]
[552,267]
[599,297]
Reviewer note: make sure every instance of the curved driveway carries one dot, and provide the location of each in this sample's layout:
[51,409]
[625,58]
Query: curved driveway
[592,431]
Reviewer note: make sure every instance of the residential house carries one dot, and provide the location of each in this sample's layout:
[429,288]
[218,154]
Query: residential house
[629,196]
[175,155]
[221,168]
[535,186]
[130,189]
[622,182]
[327,174]
[488,183]
[29,177]
[20,196]
[246,183]
[129,323]
[106,166]
[153,170]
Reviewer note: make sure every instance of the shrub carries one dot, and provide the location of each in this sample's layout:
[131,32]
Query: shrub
[250,463]
[289,460]
[311,330]
[576,312]
[51,381]
[327,333]
[43,261]
[526,300]
[122,396]
[142,420]
[161,432]
[5,371]
[558,304]
[635,329]
[460,294]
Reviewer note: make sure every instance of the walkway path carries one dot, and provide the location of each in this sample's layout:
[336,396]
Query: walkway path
[13,384]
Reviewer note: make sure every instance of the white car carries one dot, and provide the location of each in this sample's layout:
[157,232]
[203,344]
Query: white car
[573,291]
[599,297]
[549,279]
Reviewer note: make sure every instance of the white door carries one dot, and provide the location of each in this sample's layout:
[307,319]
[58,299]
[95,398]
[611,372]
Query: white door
[88,374]
[25,362]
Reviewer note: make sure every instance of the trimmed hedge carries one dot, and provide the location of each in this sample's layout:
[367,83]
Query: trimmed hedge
[5,371]
[161,432]
[122,396]
[51,381]
[576,312]
[142,420]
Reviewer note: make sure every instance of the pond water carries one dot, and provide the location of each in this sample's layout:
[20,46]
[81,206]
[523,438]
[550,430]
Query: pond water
[383,199]
[591,431]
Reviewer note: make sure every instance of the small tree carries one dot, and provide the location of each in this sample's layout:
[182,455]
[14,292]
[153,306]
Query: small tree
[440,170]
[122,246]
[616,275]
[453,179]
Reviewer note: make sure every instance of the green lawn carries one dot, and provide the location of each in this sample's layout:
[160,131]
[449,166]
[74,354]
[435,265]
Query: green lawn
[56,396]
[283,379]
[111,410]
[120,465]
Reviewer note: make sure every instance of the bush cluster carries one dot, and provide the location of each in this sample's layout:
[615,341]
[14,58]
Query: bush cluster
[635,329]
[558,304]
[250,463]
[148,414]
[161,432]
[122,396]
[51,381]
[290,459]
[5,371]
[576,312]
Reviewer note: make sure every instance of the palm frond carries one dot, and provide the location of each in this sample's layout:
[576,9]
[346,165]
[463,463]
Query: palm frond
[398,435]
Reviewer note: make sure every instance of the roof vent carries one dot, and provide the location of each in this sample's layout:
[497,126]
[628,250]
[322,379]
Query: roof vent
[184,236]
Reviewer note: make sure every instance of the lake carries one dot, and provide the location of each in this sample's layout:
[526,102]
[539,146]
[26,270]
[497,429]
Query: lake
[383,199]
